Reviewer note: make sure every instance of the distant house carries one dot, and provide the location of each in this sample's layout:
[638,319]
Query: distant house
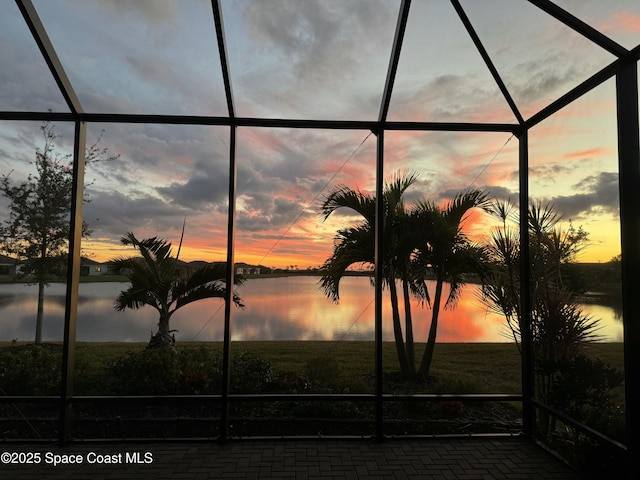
[90,267]
[245,269]
[8,265]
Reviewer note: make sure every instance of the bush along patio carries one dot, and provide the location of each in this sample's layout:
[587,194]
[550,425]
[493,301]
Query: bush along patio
[161,378]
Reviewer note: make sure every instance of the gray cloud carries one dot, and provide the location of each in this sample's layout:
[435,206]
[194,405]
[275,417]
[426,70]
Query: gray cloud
[319,57]
[595,193]
[449,98]
[550,73]
[156,11]
[265,212]
[198,192]
[114,213]
[318,39]
[24,76]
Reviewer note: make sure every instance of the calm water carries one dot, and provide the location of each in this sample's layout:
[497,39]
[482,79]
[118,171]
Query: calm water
[287,308]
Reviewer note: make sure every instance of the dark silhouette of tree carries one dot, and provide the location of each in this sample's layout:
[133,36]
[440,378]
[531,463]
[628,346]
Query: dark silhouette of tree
[445,253]
[419,242]
[560,330]
[158,280]
[36,231]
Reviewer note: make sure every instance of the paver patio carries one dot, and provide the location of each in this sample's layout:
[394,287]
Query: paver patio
[437,459]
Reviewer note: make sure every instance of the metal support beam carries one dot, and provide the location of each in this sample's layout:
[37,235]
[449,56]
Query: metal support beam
[581,27]
[487,60]
[592,82]
[231,228]
[401,26]
[48,52]
[224,59]
[261,122]
[73,280]
[629,170]
[379,272]
[525,290]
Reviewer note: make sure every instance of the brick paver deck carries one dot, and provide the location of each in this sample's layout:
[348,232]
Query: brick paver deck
[448,459]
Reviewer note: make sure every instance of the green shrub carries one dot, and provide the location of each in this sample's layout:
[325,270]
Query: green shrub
[581,387]
[199,371]
[324,373]
[147,372]
[30,370]
[250,373]
[190,371]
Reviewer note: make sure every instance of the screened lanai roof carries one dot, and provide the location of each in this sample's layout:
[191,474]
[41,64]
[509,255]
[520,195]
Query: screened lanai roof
[321,60]
[324,93]
[163,79]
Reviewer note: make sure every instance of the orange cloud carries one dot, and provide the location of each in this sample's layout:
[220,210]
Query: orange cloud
[626,22]
[184,160]
[592,152]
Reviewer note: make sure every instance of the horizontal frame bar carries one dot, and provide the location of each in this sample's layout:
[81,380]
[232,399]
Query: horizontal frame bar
[580,426]
[261,122]
[274,397]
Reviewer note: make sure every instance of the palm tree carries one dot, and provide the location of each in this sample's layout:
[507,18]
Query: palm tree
[550,250]
[157,280]
[417,240]
[446,254]
[558,327]
[356,245]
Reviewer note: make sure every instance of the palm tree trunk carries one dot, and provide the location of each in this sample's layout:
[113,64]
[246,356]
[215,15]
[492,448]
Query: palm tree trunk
[162,339]
[410,351]
[40,314]
[397,328]
[425,365]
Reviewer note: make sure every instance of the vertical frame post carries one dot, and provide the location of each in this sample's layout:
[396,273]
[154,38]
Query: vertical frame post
[629,170]
[525,289]
[73,279]
[230,280]
[378,258]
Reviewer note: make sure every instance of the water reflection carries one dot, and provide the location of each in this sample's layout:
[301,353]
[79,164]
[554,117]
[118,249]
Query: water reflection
[287,308]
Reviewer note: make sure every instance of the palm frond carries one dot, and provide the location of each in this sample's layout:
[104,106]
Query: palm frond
[346,197]
[157,280]
[352,246]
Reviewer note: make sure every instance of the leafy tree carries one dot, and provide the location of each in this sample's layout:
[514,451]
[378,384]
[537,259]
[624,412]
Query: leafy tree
[420,241]
[158,280]
[37,228]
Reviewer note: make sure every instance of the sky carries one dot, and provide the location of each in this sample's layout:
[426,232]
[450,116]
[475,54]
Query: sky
[320,60]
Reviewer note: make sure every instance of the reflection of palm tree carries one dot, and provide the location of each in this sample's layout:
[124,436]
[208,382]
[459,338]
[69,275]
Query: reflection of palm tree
[157,280]
[417,241]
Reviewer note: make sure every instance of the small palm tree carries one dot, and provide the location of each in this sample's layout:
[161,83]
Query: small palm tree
[558,327]
[557,324]
[157,280]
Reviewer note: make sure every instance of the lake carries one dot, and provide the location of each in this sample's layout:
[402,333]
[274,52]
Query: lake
[285,308]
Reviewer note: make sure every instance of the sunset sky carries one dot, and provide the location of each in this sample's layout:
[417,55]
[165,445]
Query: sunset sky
[324,59]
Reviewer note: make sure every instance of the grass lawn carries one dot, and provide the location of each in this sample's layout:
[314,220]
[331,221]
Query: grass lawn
[481,367]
